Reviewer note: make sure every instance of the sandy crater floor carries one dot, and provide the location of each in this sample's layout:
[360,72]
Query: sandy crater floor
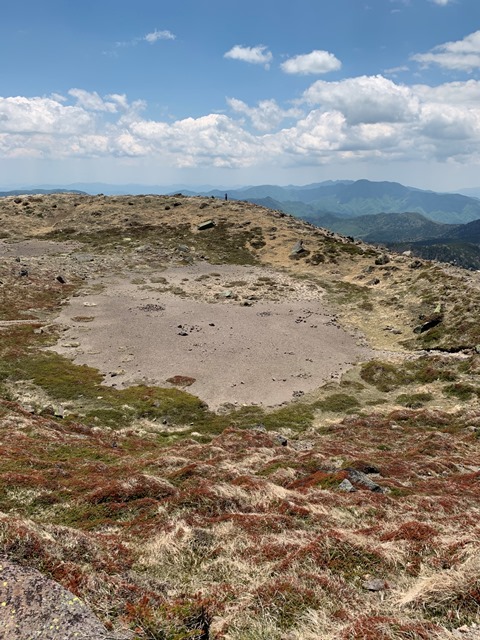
[285,344]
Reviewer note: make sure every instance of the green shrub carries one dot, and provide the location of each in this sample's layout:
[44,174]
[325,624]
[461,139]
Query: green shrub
[460,390]
[338,402]
[383,375]
[414,400]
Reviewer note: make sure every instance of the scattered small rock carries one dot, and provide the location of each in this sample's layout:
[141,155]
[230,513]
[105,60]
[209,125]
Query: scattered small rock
[28,407]
[203,226]
[416,264]
[363,480]
[429,323]
[375,584]
[59,411]
[299,251]
[347,486]
[260,427]
[118,372]
[365,467]
[383,259]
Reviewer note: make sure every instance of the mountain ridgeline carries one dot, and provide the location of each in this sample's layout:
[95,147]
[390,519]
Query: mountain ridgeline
[438,226]
[350,199]
[22,192]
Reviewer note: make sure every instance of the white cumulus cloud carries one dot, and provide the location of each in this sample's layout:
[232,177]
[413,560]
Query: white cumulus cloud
[311,63]
[214,139]
[442,3]
[465,94]
[317,135]
[254,55]
[460,55]
[364,99]
[34,116]
[444,121]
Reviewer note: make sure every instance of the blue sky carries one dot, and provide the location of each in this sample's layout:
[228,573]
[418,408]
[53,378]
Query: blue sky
[240,92]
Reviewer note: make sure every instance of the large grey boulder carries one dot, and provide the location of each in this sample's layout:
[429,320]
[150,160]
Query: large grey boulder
[32,606]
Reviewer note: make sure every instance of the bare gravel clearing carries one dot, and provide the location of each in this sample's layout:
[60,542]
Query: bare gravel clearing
[201,322]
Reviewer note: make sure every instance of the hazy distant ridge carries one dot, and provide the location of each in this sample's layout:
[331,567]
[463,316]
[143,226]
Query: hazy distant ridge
[365,198]
[25,192]
[345,198]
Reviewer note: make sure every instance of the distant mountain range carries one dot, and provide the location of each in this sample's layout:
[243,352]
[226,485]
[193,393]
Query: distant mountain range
[438,226]
[21,192]
[343,198]
[360,198]
[442,226]
[96,188]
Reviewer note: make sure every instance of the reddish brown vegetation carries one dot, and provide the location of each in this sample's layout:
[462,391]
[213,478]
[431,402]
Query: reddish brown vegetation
[414,531]
[181,381]
[83,511]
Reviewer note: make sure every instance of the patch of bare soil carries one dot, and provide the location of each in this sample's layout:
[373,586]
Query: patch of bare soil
[245,335]
[34,248]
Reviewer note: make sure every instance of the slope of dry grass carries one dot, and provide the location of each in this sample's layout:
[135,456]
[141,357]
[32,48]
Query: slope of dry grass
[235,525]
[162,538]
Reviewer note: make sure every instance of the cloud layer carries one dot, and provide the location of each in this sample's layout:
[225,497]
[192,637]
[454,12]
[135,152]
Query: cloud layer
[363,118]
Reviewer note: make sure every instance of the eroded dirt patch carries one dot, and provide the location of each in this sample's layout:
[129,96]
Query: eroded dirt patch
[244,335]
[34,248]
